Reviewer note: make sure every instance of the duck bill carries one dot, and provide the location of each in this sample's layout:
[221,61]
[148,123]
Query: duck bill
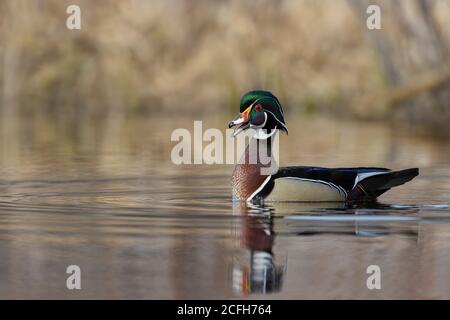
[241,121]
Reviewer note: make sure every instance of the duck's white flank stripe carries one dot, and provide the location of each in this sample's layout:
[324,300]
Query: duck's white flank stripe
[330,184]
[259,189]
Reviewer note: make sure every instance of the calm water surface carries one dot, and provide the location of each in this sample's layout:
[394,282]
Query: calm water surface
[108,199]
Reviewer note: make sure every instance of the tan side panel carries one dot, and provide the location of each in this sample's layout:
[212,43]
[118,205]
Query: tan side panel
[286,189]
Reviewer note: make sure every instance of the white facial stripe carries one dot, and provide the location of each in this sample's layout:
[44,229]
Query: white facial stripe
[259,135]
[276,101]
[277,119]
[251,106]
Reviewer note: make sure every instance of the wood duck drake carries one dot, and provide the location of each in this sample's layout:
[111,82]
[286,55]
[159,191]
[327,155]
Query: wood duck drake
[261,112]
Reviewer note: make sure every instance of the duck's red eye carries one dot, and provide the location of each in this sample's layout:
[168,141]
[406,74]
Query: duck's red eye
[258,108]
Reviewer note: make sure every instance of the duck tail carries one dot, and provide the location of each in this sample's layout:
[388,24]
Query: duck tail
[374,186]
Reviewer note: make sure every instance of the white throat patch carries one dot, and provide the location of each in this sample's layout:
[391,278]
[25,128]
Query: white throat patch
[262,134]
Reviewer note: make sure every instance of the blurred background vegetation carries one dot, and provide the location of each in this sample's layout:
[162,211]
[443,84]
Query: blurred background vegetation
[139,57]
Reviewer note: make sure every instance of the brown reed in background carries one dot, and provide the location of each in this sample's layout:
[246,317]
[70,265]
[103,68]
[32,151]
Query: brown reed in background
[192,57]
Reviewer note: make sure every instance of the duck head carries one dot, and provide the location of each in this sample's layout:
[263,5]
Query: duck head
[259,110]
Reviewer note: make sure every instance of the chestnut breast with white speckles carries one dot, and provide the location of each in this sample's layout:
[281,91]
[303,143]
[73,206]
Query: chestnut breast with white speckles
[247,177]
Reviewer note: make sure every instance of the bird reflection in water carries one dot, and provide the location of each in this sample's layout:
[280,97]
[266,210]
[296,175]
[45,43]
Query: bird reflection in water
[257,269]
